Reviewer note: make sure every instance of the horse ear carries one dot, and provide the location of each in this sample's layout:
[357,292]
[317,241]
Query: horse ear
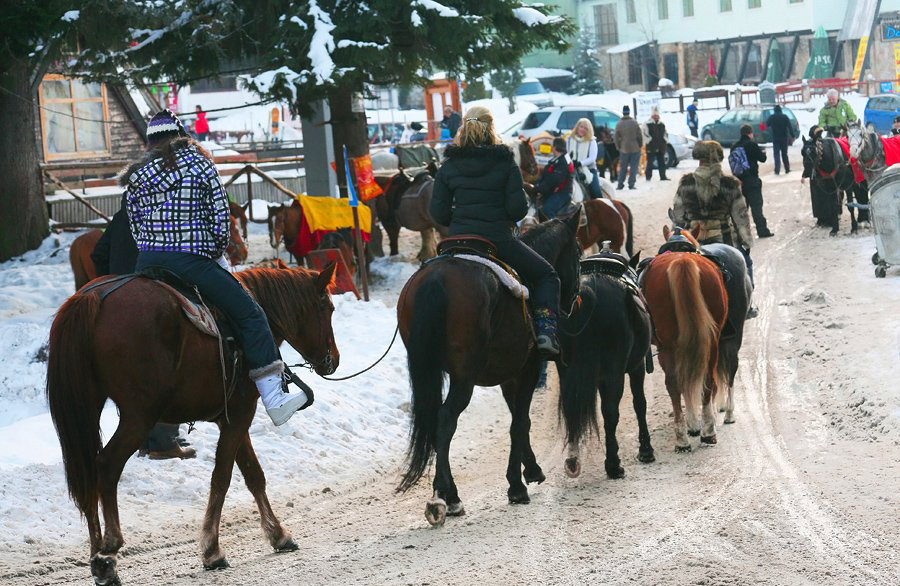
[635,260]
[325,278]
[666,233]
[572,222]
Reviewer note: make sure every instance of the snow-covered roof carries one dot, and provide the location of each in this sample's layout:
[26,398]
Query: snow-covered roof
[626,47]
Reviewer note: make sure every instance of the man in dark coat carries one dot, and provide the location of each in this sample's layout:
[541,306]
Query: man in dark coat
[782,137]
[451,121]
[750,181]
[555,182]
[657,142]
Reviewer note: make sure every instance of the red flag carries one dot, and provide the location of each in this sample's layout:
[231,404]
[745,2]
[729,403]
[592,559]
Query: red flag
[712,67]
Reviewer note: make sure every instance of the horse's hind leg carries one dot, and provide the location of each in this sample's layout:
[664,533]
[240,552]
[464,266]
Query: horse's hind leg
[429,245]
[612,387]
[129,436]
[446,499]
[392,227]
[854,225]
[529,377]
[231,436]
[708,432]
[639,401]
[681,434]
[255,479]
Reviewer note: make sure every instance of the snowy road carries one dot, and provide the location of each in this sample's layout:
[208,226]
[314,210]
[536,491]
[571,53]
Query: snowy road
[803,489]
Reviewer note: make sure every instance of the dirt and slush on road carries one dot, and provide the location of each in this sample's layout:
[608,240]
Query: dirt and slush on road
[803,489]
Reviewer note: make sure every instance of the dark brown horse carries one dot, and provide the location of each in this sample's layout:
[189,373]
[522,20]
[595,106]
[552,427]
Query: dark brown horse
[404,204]
[688,305]
[456,317]
[137,348]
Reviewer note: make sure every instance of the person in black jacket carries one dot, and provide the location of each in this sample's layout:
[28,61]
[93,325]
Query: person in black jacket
[751,185]
[782,136]
[116,254]
[478,190]
[555,182]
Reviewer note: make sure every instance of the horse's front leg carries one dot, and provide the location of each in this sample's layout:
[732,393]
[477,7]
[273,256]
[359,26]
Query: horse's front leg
[639,402]
[255,479]
[854,225]
[429,245]
[231,436]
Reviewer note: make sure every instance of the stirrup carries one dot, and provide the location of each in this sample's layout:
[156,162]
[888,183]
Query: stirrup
[287,377]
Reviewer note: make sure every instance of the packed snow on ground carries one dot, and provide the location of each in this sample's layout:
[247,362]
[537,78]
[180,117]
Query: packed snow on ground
[354,425]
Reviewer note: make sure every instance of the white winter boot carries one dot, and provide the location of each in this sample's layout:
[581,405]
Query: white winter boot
[279,405]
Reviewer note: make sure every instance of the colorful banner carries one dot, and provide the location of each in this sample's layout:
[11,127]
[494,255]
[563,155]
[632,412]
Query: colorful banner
[365,178]
[860,57]
[897,60]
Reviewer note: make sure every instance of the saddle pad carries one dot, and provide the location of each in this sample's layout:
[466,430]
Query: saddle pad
[199,316]
[509,280]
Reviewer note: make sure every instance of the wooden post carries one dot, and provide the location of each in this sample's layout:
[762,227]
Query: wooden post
[63,186]
[360,254]
[250,196]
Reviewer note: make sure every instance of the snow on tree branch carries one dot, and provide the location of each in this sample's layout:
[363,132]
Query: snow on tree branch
[415,19]
[322,44]
[532,17]
[299,22]
[344,43]
[155,35]
[71,16]
[436,6]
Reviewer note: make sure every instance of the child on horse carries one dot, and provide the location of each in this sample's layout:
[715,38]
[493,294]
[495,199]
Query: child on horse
[555,182]
[179,216]
[478,190]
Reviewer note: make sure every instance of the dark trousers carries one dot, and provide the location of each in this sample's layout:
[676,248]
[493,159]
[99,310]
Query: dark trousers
[749,262]
[694,131]
[163,436]
[628,161]
[539,274]
[219,288]
[752,188]
[660,159]
[780,154]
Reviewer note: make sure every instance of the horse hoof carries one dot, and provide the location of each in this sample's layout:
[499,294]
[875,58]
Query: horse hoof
[646,457]
[518,497]
[729,419]
[572,467]
[436,512]
[693,432]
[536,475]
[456,509]
[103,570]
[219,564]
[288,545]
[683,449]
[709,440]
[615,472]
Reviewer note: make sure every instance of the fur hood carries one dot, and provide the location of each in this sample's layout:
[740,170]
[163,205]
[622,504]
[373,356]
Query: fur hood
[494,152]
[148,157]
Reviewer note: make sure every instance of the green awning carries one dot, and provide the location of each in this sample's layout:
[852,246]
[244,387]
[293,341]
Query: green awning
[775,71]
[819,66]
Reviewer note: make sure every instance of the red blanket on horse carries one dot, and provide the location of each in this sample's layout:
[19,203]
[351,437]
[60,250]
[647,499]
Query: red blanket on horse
[891,147]
[308,240]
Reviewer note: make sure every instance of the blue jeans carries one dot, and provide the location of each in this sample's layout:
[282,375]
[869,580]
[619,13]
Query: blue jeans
[596,191]
[219,288]
[780,154]
[626,160]
[555,202]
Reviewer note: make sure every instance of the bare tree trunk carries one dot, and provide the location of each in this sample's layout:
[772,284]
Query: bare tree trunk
[23,212]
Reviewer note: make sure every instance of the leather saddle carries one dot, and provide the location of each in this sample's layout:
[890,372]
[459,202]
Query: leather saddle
[467,244]
[616,266]
[677,242]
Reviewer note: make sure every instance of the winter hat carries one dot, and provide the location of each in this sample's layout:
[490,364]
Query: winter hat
[708,151]
[164,124]
[626,110]
[416,126]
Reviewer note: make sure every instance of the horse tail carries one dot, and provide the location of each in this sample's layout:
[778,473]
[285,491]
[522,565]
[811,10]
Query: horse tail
[74,398]
[425,350]
[697,330]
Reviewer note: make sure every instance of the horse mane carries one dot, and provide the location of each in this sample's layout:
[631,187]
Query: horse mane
[286,296]
[545,238]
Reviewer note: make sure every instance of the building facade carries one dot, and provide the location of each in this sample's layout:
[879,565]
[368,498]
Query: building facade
[642,41]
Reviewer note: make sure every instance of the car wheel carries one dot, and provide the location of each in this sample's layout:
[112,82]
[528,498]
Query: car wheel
[671,157]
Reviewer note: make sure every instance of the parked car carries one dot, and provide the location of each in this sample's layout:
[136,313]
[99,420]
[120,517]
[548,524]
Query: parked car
[880,113]
[727,129]
[532,90]
[562,119]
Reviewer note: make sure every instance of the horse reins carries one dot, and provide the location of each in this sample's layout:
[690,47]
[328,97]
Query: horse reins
[310,367]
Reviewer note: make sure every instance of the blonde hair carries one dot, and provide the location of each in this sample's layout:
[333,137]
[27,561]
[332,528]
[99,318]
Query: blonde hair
[477,128]
[589,135]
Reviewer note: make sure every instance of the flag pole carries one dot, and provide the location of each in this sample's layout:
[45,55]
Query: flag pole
[357,233]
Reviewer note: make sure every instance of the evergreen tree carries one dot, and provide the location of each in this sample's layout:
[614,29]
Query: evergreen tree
[299,52]
[507,80]
[587,66]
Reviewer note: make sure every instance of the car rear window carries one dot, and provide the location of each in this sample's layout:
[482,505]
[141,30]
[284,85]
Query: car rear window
[530,88]
[534,120]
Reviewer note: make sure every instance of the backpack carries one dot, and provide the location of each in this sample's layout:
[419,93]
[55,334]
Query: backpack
[738,162]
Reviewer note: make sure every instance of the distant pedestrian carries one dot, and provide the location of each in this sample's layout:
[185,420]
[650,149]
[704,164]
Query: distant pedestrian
[418,132]
[693,119]
[748,152]
[201,125]
[629,140]
[657,143]
[782,138]
[451,122]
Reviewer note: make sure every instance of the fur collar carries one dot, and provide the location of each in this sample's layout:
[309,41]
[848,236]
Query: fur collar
[149,156]
[499,152]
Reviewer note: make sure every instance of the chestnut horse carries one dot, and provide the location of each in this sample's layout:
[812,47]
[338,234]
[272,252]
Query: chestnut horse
[137,348]
[284,226]
[456,317]
[688,305]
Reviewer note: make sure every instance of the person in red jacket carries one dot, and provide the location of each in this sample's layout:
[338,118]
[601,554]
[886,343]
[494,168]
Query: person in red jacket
[201,125]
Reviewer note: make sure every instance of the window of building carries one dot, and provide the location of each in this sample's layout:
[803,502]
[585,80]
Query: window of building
[225,83]
[72,118]
[605,24]
[837,51]
[729,70]
[688,8]
[635,66]
[724,5]
[630,12]
[670,67]
[754,3]
[662,7]
[754,63]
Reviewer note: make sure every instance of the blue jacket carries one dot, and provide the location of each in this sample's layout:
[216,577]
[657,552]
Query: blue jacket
[692,119]
[180,209]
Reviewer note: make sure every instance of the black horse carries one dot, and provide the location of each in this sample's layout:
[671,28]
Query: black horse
[456,317]
[835,181]
[607,337]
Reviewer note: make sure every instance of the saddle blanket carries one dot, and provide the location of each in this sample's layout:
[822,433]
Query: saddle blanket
[515,287]
[331,213]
